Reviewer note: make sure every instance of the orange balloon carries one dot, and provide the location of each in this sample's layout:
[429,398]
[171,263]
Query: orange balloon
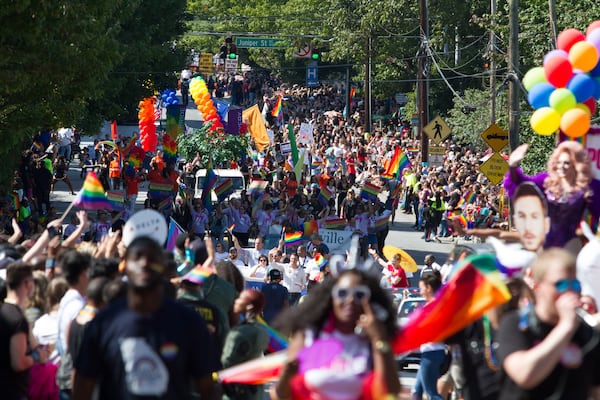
[205,96]
[584,56]
[575,122]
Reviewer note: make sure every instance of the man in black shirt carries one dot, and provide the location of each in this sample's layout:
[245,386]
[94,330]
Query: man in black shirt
[548,352]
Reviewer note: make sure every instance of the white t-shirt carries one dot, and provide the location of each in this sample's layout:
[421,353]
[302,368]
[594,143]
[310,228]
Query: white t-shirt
[70,305]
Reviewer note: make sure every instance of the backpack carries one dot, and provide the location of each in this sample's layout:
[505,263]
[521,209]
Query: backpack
[445,366]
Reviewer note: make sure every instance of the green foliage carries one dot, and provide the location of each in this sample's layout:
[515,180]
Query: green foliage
[219,146]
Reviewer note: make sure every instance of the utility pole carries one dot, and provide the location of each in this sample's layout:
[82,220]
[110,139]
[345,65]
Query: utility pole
[513,86]
[422,80]
[552,12]
[347,94]
[368,86]
[492,56]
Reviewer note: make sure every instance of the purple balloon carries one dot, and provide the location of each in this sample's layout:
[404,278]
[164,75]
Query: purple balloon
[594,38]
[539,95]
[582,86]
[555,53]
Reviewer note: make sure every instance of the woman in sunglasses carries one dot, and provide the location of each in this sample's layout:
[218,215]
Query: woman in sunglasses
[340,345]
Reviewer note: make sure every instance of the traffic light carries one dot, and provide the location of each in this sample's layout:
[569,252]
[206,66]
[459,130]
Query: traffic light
[232,54]
[316,54]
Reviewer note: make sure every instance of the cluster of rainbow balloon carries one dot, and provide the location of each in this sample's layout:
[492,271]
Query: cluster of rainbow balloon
[146,117]
[565,89]
[169,98]
[204,104]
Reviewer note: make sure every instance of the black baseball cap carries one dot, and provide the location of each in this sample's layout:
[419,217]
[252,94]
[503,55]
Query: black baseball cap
[274,274]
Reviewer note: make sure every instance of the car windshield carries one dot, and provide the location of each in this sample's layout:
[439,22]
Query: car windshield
[408,307]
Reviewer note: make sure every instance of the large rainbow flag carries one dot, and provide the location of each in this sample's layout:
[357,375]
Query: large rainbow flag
[92,195]
[277,341]
[475,287]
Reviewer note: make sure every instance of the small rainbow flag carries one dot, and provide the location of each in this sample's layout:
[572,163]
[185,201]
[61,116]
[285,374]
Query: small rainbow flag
[224,189]
[335,223]
[198,275]
[209,182]
[324,196]
[13,199]
[293,239]
[316,164]
[92,195]
[370,191]
[160,190]
[116,199]
[310,227]
[230,227]
[174,231]
[320,261]
[413,149]
[277,107]
[257,185]
[380,223]
[461,219]
[277,341]
[461,203]
[352,95]
[470,197]
[396,164]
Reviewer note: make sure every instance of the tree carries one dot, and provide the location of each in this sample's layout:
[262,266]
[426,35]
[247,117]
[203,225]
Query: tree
[218,146]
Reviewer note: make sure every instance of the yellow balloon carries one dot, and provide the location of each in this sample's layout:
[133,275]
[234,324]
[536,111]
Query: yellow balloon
[575,123]
[545,121]
[585,108]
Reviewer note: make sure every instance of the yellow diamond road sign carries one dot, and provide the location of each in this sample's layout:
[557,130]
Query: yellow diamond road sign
[494,168]
[437,130]
[495,137]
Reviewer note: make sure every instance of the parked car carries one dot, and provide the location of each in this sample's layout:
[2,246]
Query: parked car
[407,307]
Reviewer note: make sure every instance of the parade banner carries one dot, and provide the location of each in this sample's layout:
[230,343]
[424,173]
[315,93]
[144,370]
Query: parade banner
[337,241]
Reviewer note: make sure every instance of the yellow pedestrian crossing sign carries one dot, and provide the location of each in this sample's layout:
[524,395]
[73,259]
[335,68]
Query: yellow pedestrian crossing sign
[437,130]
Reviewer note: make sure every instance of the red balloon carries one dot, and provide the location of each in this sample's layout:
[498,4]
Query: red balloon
[558,70]
[592,26]
[568,38]
[591,104]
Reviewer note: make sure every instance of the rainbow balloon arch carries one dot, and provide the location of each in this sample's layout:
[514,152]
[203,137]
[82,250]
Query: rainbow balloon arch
[564,90]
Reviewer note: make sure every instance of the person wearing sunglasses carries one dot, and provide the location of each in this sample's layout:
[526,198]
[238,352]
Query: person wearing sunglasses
[340,346]
[546,351]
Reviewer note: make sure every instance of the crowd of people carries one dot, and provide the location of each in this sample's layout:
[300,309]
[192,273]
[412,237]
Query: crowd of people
[84,313]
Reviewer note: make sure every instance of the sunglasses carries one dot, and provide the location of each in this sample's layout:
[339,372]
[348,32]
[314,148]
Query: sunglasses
[564,285]
[358,293]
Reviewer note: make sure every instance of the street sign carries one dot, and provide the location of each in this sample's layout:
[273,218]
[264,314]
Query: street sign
[231,64]
[437,130]
[437,156]
[495,137]
[401,98]
[302,50]
[494,168]
[260,42]
[206,63]
[312,75]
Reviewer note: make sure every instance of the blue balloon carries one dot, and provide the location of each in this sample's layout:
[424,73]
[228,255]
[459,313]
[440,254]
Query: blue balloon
[175,102]
[164,97]
[539,95]
[595,73]
[582,86]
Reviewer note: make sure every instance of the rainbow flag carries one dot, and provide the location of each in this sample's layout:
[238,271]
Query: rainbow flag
[160,190]
[209,181]
[461,203]
[199,274]
[320,261]
[116,199]
[370,191]
[37,147]
[380,223]
[174,231]
[92,195]
[257,205]
[335,223]
[293,239]
[14,201]
[310,227]
[475,287]
[324,196]
[254,372]
[277,341]
[352,95]
[277,107]
[396,164]
[257,186]
[470,197]
[413,149]
[224,189]
[316,164]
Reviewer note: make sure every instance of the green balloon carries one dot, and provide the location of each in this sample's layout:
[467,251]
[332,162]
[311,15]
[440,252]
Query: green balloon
[533,77]
[562,100]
